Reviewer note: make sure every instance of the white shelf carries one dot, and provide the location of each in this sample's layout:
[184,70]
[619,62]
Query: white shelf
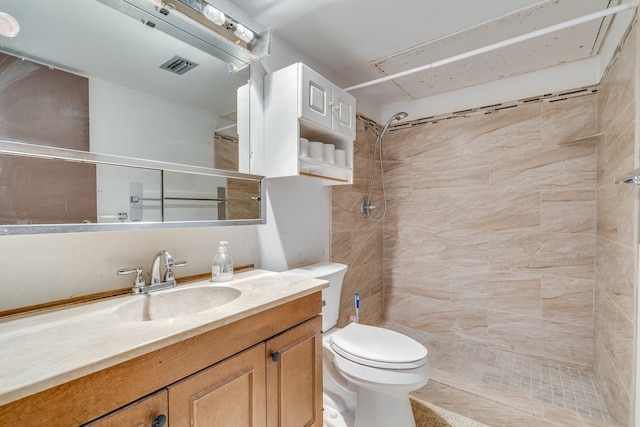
[321,169]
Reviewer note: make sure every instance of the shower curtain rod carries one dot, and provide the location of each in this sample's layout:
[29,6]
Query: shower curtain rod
[632,4]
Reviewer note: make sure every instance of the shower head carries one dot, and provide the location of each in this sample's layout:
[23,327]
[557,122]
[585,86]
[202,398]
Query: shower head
[401,115]
[396,117]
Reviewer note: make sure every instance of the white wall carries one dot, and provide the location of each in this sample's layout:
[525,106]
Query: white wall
[298,230]
[49,267]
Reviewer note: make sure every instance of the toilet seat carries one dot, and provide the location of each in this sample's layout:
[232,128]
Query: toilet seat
[378,347]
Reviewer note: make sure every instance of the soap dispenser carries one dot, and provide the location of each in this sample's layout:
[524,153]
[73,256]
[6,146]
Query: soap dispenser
[222,266]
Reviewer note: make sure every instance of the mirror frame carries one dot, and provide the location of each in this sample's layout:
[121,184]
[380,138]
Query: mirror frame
[47,152]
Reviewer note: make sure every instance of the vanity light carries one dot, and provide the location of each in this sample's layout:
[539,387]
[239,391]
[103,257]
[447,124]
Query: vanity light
[9,26]
[213,15]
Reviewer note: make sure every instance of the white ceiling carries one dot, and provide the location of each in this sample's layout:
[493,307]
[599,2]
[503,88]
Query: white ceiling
[362,40]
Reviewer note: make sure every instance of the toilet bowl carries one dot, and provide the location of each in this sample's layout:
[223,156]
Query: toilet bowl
[368,371]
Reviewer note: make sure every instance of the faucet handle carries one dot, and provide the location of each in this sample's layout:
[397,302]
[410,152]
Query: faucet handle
[168,275]
[139,282]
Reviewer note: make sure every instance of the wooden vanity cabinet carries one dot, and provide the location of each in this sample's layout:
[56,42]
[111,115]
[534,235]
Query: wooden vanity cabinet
[144,412]
[285,390]
[230,393]
[294,377]
[264,370]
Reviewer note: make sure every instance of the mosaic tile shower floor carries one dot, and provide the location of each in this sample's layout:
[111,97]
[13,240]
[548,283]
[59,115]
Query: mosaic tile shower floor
[519,381]
[565,387]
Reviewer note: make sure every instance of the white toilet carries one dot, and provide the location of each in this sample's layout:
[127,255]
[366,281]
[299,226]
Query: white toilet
[368,371]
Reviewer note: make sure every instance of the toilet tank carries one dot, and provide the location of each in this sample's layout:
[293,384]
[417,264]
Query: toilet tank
[332,272]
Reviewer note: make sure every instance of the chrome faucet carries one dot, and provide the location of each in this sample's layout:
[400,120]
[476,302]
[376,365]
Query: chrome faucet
[155,283]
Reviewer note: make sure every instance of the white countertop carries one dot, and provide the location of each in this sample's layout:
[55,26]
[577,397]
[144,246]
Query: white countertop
[46,349]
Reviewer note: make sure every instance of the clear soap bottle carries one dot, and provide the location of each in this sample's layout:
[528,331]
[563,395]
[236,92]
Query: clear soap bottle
[222,266]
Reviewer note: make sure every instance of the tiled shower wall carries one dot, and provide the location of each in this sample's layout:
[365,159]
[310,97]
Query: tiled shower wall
[505,228]
[616,235]
[490,236]
[356,241]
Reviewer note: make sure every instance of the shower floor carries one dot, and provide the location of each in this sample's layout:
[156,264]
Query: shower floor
[509,386]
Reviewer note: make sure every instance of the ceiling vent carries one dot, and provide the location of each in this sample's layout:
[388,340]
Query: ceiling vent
[178,65]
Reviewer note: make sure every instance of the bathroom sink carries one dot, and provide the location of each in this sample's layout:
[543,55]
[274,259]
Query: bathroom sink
[175,302]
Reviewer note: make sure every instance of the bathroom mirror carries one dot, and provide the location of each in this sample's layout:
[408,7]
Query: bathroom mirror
[125,90]
[120,193]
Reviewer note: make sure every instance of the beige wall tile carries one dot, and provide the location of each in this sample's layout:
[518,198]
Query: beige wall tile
[547,167]
[470,179]
[604,324]
[493,210]
[540,337]
[449,319]
[568,300]
[623,350]
[615,210]
[568,120]
[626,75]
[615,274]
[452,247]
[617,399]
[365,279]
[499,290]
[568,211]
[619,154]
[429,209]
[565,254]
[397,308]
[366,247]
[341,247]
[427,278]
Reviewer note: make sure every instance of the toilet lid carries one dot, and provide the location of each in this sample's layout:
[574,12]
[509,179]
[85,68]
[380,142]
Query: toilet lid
[378,347]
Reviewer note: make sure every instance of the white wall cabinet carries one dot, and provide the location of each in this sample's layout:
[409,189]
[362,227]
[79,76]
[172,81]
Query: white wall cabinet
[301,103]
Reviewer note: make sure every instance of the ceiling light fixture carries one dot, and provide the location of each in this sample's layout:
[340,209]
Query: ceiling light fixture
[9,26]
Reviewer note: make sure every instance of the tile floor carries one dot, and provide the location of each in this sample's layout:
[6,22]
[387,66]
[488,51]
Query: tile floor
[565,387]
[501,388]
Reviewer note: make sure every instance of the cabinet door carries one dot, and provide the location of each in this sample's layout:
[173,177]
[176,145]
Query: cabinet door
[315,96]
[142,413]
[343,111]
[294,376]
[228,394]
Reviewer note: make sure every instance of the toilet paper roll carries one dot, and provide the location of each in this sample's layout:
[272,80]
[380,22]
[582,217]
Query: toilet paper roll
[304,147]
[341,157]
[329,153]
[315,150]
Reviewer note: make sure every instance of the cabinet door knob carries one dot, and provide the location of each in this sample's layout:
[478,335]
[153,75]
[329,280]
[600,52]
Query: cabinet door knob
[275,356]
[159,421]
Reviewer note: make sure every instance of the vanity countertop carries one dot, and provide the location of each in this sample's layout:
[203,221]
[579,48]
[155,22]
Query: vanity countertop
[42,350]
